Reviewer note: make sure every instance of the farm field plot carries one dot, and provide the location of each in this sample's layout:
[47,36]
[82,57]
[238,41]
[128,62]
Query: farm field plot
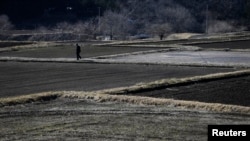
[79,119]
[201,58]
[244,44]
[234,91]
[68,51]
[203,43]
[24,78]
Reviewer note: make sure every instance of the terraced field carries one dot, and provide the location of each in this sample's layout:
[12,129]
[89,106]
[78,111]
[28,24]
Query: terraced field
[97,100]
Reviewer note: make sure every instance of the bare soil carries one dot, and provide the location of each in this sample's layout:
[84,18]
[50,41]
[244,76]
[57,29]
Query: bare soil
[69,51]
[245,44]
[25,78]
[234,91]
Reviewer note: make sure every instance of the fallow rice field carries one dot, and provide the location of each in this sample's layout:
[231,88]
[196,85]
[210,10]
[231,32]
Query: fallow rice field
[146,90]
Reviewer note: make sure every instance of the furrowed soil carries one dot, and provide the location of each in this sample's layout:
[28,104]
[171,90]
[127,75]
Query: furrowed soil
[19,78]
[234,91]
[245,44]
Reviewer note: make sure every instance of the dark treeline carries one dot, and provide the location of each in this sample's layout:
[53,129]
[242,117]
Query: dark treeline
[177,15]
[47,12]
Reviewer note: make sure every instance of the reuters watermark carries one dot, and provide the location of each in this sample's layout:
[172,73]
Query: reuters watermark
[236,132]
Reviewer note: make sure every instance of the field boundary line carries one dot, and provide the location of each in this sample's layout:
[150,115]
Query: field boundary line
[119,94]
[139,100]
[46,96]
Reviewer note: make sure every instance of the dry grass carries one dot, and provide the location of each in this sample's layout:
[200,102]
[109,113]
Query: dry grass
[28,46]
[215,107]
[29,98]
[119,94]
[29,59]
[14,43]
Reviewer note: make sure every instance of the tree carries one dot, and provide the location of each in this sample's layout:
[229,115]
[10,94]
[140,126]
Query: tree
[160,29]
[5,24]
[116,24]
[64,27]
[178,17]
[220,27]
[248,12]
[90,27]
[146,12]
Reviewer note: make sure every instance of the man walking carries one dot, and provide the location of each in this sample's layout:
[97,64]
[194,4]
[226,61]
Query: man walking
[78,51]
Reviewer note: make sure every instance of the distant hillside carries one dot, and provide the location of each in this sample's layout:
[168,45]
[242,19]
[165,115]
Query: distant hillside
[32,13]
[46,12]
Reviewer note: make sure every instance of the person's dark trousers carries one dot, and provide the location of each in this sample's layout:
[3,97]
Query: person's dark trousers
[78,56]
